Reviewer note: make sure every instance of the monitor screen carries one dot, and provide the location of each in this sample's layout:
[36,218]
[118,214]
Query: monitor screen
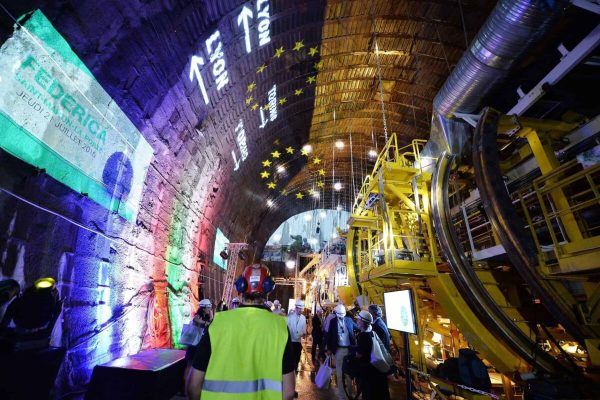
[221,242]
[399,311]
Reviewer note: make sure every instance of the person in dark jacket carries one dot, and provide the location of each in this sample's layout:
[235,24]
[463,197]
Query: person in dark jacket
[373,384]
[379,327]
[317,335]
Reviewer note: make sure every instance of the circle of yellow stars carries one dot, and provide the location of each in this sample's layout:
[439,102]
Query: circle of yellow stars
[277,158]
[253,104]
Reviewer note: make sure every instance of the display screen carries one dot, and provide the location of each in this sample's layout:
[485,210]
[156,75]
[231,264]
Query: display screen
[56,116]
[399,311]
[221,242]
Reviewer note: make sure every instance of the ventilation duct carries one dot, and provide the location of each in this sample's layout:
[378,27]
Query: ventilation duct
[511,30]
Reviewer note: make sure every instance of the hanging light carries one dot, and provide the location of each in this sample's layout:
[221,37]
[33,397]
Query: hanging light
[270,203]
[337,186]
[339,208]
[339,144]
[315,194]
[280,169]
[307,148]
[372,153]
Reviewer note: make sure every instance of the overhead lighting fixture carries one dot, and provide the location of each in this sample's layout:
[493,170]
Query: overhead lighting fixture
[280,169]
[270,203]
[339,144]
[307,148]
[339,208]
[315,194]
[372,153]
[290,264]
[337,186]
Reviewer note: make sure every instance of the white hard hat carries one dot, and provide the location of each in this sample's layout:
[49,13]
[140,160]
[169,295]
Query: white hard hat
[205,303]
[365,316]
[235,300]
[276,302]
[299,304]
[340,310]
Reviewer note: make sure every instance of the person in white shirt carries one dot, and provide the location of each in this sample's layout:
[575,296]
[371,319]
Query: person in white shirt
[296,323]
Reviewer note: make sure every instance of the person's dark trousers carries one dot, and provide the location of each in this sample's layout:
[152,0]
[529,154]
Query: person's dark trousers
[296,351]
[316,341]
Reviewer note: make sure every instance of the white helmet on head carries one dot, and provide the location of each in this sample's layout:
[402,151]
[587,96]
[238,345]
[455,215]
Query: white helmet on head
[205,303]
[276,302]
[340,311]
[365,316]
[299,304]
[235,300]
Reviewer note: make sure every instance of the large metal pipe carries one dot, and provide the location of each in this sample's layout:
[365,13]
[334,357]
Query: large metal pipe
[467,281]
[512,29]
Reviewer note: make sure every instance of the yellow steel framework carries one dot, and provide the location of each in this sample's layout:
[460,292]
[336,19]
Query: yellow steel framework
[391,244]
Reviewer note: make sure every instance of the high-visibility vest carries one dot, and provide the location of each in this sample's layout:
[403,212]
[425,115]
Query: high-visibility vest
[247,346]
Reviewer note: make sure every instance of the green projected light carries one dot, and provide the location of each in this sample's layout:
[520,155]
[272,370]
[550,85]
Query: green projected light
[56,116]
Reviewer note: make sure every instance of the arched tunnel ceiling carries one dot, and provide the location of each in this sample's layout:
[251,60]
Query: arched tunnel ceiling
[319,56]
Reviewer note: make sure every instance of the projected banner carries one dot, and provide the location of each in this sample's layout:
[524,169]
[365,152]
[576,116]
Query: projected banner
[56,116]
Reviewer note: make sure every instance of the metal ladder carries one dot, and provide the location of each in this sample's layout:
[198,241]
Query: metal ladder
[232,262]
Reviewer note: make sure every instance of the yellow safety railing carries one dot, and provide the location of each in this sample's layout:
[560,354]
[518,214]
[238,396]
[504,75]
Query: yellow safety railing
[547,220]
[405,156]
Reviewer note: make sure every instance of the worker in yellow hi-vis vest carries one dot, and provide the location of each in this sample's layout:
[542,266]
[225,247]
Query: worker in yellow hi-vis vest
[246,353]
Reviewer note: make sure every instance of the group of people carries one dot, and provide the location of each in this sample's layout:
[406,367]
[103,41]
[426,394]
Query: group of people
[251,350]
[338,335]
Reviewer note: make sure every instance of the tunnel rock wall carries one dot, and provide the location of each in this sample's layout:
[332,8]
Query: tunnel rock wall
[126,286]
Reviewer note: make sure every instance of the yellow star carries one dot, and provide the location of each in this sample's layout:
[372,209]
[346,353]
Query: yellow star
[271,185]
[289,150]
[304,152]
[299,196]
[299,45]
[282,100]
[254,106]
[320,184]
[284,193]
[266,107]
[276,154]
[264,175]
[261,68]
[319,65]
[279,52]
[313,51]
[251,87]
[321,172]
[266,163]
[311,79]
[298,92]
[316,160]
[249,100]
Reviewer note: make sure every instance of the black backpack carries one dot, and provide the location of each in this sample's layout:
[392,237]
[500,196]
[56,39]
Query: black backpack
[448,370]
[473,372]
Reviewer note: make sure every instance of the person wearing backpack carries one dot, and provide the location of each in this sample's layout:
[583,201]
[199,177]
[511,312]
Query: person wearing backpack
[372,382]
